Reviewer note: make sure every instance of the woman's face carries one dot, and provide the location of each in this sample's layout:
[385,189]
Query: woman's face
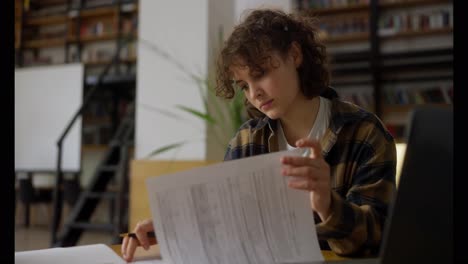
[275,92]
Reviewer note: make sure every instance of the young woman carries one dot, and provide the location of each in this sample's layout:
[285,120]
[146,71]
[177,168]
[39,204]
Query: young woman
[279,63]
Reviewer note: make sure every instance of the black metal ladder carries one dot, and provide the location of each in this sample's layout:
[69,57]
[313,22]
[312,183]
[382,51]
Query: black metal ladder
[113,167]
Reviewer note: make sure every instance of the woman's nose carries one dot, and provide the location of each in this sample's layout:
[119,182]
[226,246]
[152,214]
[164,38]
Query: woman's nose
[256,91]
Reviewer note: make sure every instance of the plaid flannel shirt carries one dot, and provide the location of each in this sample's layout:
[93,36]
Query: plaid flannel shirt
[361,154]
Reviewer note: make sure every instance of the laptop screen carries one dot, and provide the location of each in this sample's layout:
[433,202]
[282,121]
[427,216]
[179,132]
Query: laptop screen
[419,228]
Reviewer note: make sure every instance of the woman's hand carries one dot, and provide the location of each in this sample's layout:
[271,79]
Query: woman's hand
[312,174]
[130,244]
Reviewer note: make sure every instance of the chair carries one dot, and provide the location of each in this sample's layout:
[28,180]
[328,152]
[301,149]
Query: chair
[29,195]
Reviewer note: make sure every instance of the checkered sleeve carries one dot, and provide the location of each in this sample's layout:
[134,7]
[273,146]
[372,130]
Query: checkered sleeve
[356,223]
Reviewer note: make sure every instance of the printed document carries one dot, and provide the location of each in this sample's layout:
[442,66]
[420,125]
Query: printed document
[239,211]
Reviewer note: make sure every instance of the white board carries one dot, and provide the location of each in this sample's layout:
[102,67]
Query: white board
[46,98]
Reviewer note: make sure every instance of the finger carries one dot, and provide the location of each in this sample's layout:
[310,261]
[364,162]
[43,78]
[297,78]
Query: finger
[304,172]
[304,184]
[299,161]
[124,246]
[141,231]
[314,145]
[143,238]
[132,245]
[153,240]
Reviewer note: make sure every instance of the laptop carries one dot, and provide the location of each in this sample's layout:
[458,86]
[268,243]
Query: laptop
[420,220]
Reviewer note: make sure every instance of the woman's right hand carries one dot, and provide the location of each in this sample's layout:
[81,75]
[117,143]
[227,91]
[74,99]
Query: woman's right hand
[130,244]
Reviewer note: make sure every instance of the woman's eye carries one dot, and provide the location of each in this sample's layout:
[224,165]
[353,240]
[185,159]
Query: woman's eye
[240,86]
[259,74]
[244,87]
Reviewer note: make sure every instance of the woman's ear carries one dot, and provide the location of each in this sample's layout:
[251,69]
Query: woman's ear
[296,52]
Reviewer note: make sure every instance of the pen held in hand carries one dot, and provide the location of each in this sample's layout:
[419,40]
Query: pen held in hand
[151,235]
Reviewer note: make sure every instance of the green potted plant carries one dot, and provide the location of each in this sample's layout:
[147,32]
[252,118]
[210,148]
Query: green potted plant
[223,117]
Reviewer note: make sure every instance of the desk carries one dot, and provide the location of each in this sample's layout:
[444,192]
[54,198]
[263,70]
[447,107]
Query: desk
[154,251]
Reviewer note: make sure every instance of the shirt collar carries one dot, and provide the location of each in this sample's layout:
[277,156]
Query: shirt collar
[329,93]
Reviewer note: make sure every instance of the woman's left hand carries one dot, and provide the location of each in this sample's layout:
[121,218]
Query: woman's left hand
[312,174]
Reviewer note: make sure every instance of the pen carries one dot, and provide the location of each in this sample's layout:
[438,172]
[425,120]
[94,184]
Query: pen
[149,234]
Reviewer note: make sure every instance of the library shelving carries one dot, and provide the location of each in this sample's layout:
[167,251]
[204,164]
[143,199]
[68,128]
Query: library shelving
[51,32]
[388,56]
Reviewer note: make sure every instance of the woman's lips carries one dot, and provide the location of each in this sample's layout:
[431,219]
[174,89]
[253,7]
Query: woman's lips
[266,105]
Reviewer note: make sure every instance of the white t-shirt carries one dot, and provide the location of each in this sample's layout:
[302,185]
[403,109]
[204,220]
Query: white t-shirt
[318,129]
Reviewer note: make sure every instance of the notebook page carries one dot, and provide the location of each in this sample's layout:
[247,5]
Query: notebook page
[90,254]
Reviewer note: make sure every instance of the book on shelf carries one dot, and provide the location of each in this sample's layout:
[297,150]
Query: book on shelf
[317,4]
[345,25]
[129,24]
[98,28]
[44,32]
[438,94]
[97,3]
[128,51]
[128,6]
[52,32]
[95,53]
[393,23]
[59,9]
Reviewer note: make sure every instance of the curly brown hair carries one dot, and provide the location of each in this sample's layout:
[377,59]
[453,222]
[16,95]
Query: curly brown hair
[265,31]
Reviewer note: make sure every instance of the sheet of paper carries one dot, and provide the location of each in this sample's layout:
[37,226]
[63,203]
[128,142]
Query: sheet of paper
[233,212]
[149,261]
[90,254]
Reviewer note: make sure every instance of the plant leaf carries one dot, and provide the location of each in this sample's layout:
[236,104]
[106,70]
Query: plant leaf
[161,111]
[236,109]
[207,117]
[166,148]
[218,110]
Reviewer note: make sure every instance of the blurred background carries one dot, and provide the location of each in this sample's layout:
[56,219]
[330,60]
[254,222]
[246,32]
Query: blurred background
[108,90]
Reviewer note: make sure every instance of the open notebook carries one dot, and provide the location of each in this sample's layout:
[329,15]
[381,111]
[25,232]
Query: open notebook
[89,254]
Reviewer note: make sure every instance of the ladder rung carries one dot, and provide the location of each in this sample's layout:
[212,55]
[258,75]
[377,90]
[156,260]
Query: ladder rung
[114,143]
[105,195]
[91,226]
[108,168]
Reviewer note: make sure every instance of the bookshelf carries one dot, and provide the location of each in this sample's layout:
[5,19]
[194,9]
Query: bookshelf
[420,73]
[388,56]
[345,30]
[51,32]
